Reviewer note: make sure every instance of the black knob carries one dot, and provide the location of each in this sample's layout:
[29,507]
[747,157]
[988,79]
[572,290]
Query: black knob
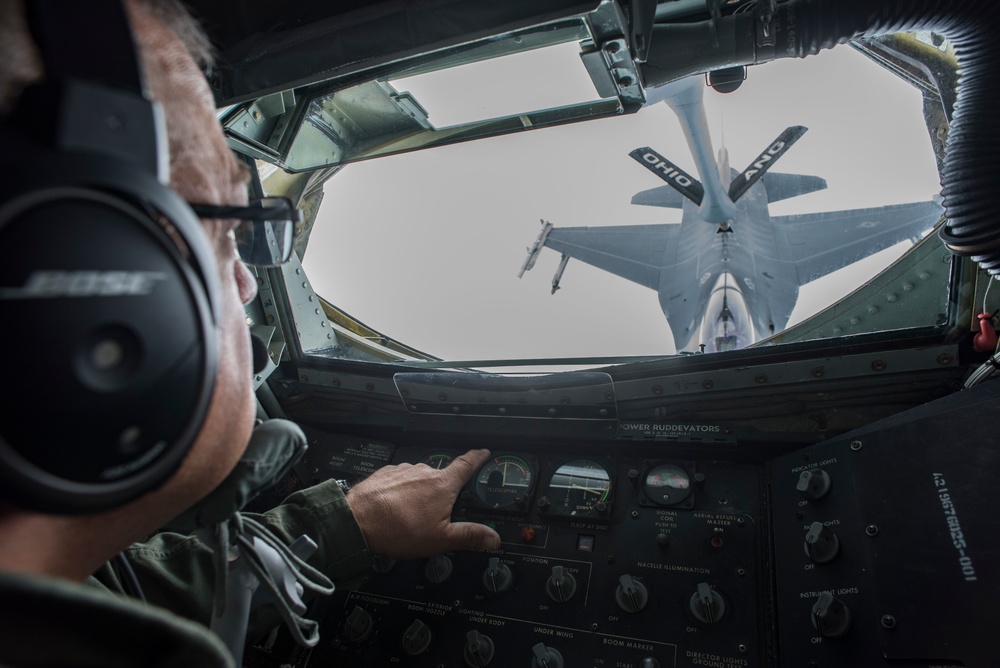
[813,484]
[822,545]
[438,569]
[707,605]
[358,625]
[416,638]
[649,662]
[561,585]
[631,595]
[497,577]
[545,657]
[830,616]
[479,649]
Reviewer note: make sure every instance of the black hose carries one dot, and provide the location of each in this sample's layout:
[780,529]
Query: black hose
[805,27]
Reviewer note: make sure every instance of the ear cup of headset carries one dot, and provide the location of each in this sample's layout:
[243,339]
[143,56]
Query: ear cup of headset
[109,290]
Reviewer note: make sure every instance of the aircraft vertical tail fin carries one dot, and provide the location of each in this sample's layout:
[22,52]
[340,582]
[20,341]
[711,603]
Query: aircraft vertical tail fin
[681,181]
[749,176]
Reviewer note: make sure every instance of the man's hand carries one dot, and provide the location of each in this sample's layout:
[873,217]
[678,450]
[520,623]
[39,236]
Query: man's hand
[404,511]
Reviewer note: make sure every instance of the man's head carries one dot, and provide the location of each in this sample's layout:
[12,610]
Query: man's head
[202,170]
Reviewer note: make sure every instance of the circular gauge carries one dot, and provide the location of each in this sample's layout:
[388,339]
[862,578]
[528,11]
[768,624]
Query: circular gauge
[667,484]
[503,480]
[579,487]
[437,460]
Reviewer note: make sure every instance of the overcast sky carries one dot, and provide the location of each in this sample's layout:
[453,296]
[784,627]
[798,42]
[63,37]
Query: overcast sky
[426,246]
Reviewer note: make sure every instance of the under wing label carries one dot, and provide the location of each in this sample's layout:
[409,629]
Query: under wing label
[763,162]
[681,181]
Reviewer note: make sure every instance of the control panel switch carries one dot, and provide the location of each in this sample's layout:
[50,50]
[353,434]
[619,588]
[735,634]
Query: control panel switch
[830,616]
[561,585]
[358,625]
[546,657]
[822,545]
[631,595]
[707,605]
[813,484]
[438,569]
[497,577]
[479,649]
[416,638]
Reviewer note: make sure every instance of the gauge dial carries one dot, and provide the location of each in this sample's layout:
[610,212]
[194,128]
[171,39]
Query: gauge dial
[437,460]
[503,480]
[667,484]
[579,487]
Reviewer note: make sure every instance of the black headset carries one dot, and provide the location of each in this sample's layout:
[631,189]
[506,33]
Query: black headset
[108,285]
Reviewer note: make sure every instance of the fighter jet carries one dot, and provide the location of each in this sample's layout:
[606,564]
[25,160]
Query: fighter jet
[729,274]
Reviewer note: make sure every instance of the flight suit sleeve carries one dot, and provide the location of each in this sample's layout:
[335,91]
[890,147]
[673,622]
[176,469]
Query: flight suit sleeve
[175,570]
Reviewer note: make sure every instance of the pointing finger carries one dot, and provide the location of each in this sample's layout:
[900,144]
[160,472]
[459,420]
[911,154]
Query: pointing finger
[463,467]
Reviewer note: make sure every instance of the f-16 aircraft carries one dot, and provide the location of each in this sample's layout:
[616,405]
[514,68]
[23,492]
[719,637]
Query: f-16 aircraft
[730,273]
[827,499]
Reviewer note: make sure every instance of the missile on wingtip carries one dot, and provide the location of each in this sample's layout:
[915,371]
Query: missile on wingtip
[533,252]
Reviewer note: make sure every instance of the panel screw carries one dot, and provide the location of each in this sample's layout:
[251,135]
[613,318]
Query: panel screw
[944,359]
[871,530]
[760,378]
[743,649]
[657,389]
[855,445]
[708,384]
[878,365]
[817,372]
[888,621]
[634,514]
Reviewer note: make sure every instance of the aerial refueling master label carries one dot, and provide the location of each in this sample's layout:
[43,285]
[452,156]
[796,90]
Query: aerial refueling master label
[686,431]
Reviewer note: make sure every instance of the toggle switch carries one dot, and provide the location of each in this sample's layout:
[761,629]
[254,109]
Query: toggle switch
[358,625]
[438,569]
[479,649]
[822,545]
[416,638]
[631,595]
[545,657]
[707,605]
[813,484]
[497,577]
[830,616]
[561,585]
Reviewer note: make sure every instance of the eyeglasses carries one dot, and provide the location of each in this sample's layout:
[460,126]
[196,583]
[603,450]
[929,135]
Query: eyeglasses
[266,229]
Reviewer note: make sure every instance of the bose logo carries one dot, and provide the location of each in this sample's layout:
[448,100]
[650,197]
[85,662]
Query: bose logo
[667,170]
[46,284]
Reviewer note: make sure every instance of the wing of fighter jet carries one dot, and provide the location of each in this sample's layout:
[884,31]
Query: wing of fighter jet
[634,252]
[821,243]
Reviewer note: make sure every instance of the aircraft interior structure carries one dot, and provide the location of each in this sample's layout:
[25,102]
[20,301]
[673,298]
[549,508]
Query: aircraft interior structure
[821,498]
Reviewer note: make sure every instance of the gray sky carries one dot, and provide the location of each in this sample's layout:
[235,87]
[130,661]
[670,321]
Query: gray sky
[426,246]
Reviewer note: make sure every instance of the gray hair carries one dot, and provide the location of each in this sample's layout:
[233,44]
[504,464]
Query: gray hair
[20,64]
